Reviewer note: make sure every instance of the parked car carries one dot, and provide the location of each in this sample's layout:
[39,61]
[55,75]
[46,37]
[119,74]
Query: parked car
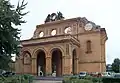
[95,74]
[106,74]
[82,74]
[7,73]
[117,75]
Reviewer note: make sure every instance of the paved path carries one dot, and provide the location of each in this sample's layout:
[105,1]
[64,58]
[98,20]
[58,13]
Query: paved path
[48,79]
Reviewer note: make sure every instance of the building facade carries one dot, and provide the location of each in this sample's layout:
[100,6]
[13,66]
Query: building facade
[64,47]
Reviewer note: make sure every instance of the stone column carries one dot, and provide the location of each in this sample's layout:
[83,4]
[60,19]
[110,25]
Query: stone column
[67,64]
[48,65]
[77,60]
[76,66]
[21,65]
[34,66]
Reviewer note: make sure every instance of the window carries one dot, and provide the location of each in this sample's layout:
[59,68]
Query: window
[41,34]
[67,30]
[88,46]
[27,59]
[53,32]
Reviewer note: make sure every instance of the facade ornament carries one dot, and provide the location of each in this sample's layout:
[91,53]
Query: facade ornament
[54,17]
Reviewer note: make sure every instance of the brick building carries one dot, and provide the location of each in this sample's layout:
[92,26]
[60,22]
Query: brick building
[65,47]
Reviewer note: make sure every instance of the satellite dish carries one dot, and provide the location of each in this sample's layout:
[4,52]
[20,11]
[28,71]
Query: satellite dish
[88,27]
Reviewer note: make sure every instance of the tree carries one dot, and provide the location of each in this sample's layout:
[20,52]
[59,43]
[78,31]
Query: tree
[116,65]
[10,16]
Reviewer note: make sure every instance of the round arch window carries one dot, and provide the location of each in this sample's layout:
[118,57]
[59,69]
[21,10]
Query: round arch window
[67,30]
[53,32]
[41,34]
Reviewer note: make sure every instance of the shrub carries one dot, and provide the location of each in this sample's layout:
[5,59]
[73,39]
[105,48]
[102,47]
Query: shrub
[75,79]
[17,79]
[110,80]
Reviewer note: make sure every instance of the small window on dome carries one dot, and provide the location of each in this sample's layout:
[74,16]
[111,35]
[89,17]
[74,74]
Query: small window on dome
[67,30]
[41,34]
[53,32]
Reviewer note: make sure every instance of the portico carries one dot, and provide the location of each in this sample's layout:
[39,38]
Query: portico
[49,58]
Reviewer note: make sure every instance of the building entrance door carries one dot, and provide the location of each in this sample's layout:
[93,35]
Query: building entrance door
[41,63]
[57,62]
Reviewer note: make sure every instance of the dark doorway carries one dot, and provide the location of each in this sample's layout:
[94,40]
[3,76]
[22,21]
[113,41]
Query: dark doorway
[41,63]
[57,62]
[73,61]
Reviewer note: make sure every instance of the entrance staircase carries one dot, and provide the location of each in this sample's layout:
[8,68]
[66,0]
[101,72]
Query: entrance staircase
[39,79]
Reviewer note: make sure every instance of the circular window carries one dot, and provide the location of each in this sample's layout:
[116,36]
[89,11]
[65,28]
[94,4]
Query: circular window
[41,34]
[53,32]
[67,30]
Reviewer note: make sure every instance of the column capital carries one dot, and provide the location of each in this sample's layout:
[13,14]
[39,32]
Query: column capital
[67,57]
[48,57]
[33,58]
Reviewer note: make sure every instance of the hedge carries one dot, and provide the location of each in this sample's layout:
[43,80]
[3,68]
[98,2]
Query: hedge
[110,80]
[17,79]
[89,79]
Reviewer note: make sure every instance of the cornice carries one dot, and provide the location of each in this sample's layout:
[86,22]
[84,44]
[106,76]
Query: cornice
[49,40]
[83,62]
[57,22]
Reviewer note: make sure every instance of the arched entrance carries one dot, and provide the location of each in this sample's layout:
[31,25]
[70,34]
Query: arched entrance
[27,62]
[41,63]
[57,62]
[74,61]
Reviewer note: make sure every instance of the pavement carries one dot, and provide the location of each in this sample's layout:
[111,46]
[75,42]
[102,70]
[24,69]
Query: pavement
[39,79]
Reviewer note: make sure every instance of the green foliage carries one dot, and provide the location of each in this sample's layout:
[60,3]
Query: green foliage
[95,80]
[116,65]
[17,79]
[9,39]
[87,79]
[75,79]
[90,79]
[111,80]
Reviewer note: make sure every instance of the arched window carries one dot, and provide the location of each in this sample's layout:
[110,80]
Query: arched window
[53,32]
[27,59]
[88,46]
[67,30]
[41,34]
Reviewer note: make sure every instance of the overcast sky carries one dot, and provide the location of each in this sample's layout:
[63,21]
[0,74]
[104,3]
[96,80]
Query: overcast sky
[103,12]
